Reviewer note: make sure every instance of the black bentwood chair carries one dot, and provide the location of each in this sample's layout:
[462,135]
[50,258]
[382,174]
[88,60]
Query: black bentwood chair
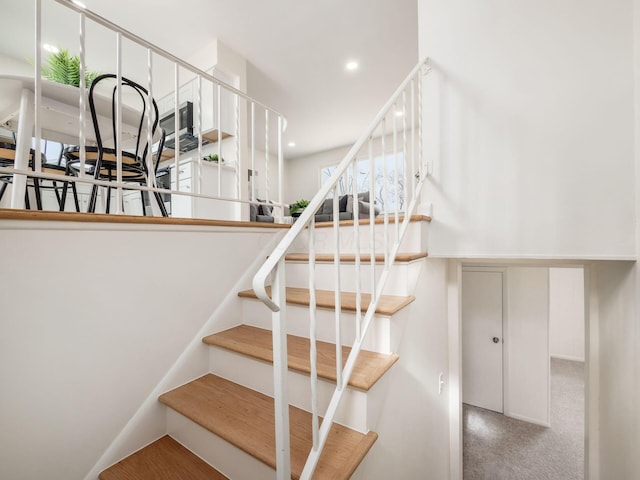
[49,165]
[101,160]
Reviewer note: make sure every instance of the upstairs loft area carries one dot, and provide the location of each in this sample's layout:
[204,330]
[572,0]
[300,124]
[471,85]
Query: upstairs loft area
[153,135]
[229,164]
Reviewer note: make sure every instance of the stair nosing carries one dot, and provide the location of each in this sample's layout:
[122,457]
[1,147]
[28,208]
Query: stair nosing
[330,304]
[350,257]
[377,220]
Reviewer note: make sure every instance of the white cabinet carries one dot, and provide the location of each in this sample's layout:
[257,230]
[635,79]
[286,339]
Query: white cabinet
[188,92]
[185,206]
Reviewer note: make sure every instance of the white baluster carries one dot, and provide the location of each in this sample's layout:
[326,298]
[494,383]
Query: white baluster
[414,168]
[83,98]
[266,154]
[280,369]
[338,300]
[280,170]
[119,197]
[219,116]
[408,174]
[176,124]
[199,118]
[313,355]
[356,232]
[385,193]
[372,218]
[395,172]
[253,151]
[237,147]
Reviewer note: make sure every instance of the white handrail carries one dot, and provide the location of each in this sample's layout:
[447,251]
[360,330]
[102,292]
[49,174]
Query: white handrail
[163,53]
[275,263]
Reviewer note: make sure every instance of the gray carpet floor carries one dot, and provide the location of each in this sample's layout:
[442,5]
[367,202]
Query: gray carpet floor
[496,447]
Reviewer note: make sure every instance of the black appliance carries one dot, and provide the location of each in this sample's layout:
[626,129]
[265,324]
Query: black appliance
[188,141]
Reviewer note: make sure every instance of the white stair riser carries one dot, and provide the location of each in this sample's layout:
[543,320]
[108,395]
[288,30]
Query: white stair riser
[226,458]
[258,375]
[401,281]
[415,239]
[255,313]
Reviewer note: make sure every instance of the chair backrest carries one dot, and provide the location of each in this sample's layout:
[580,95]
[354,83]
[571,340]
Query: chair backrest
[134,114]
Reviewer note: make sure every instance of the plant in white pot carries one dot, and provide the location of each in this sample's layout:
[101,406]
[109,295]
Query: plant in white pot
[296,208]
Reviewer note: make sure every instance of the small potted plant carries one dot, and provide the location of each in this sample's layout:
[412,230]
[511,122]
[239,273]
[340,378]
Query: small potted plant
[296,208]
[213,157]
[62,67]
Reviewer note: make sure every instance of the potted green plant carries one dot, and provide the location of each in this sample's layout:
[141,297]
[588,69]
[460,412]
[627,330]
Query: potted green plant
[296,208]
[63,67]
[212,157]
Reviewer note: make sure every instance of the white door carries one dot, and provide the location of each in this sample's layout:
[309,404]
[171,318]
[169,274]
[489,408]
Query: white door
[482,339]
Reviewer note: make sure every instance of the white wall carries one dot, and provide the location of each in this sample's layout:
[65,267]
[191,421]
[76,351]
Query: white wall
[527,344]
[92,319]
[529,123]
[13,66]
[303,174]
[413,426]
[566,313]
[614,288]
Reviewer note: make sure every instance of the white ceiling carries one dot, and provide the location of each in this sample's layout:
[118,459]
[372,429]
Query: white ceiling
[296,51]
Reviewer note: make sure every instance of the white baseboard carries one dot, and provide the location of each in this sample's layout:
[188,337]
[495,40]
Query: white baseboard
[527,419]
[568,357]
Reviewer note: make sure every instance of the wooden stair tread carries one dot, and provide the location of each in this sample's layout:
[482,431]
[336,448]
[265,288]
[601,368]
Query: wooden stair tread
[164,459]
[245,418]
[351,257]
[377,220]
[387,304]
[257,343]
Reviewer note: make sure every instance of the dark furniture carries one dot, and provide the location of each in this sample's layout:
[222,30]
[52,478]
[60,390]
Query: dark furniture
[51,165]
[101,161]
[260,213]
[345,208]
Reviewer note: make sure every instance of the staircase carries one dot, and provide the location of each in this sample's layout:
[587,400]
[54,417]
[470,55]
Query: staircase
[225,418]
[294,393]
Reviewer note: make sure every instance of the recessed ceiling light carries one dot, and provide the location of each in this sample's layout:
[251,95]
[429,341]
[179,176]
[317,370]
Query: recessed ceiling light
[50,48]
[399,113]
[351,65]
[292,144]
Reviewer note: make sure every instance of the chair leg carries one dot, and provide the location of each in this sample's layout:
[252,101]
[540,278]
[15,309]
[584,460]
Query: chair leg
[63,197]
[108,200]
[74,190]
[91,208]
[27,203]
[36,186]
[144,210]
[58,197]
[2,189]
[163,209]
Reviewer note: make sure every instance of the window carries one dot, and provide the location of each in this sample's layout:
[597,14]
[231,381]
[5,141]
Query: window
[381,177]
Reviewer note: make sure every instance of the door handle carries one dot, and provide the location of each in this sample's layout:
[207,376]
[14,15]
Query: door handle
[496,340]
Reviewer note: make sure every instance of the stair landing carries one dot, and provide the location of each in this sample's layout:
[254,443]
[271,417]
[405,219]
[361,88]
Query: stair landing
[164,459]
[245,418]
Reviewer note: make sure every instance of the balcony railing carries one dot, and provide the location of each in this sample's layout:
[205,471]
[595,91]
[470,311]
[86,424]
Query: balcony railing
[227,124]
